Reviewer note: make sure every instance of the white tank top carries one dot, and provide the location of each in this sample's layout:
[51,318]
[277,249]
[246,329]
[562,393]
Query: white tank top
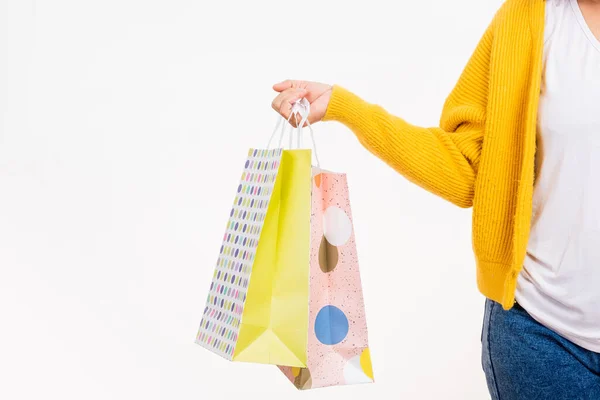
[559,284]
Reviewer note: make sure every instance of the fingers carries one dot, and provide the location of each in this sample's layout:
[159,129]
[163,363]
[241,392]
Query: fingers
[284,101]
[281,86]
[288,84]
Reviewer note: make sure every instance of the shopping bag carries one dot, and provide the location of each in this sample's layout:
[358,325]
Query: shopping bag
[286,288]
[337,350]
[257,306]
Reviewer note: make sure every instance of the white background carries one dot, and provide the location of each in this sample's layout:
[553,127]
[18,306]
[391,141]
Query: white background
[125,124]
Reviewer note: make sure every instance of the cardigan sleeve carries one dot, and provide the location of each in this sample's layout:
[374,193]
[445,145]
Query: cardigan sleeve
[443,160]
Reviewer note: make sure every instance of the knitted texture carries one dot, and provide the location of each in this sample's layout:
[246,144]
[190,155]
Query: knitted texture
[482,154]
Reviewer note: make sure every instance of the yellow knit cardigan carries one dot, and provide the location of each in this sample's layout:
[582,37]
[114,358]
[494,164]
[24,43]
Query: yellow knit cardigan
[482,154]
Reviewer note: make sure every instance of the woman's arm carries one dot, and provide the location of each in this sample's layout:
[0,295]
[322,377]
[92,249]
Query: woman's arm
[443,160]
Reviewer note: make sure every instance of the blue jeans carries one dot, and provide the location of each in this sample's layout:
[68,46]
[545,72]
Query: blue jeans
[524,360]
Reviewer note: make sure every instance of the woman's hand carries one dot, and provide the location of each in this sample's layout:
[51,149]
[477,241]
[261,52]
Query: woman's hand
[317,94]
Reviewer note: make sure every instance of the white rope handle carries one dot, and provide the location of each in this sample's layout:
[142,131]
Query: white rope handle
[312,139]
[282,132]
[300,108]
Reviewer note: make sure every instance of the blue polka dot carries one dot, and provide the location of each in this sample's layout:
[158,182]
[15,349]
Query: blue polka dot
[331,325]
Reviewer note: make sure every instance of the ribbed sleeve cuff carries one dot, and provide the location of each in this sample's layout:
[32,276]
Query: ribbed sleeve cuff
[347,108]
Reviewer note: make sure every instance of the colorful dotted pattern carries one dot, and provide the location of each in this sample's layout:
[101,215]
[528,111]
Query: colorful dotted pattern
[338,349]
[221,320]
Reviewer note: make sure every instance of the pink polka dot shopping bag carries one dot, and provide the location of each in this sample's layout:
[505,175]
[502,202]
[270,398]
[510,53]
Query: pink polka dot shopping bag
[286,288]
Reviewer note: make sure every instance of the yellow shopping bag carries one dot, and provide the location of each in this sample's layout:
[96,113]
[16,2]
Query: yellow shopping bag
[257,307]
[275,318]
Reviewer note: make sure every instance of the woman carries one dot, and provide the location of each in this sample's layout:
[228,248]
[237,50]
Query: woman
[519,141]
